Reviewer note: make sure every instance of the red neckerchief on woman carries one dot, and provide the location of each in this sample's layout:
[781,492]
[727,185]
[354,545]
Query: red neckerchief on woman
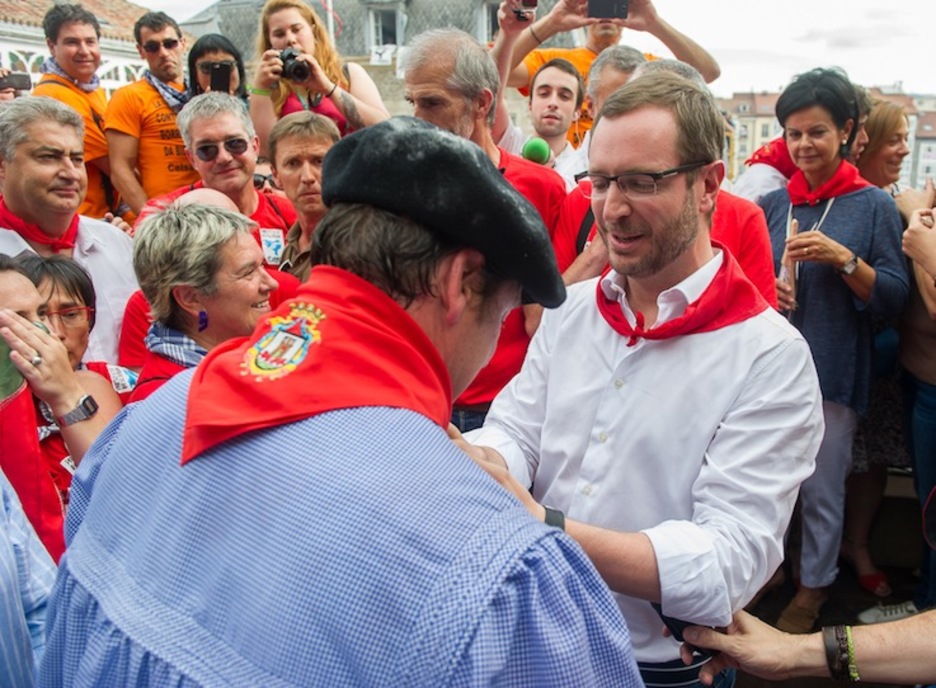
[845,180]
[730,298]
[340,343]
[33,234]
[776,154]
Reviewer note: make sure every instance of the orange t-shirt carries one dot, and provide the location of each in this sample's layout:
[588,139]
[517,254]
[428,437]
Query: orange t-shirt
[139,111]
[581,59]
[91,107]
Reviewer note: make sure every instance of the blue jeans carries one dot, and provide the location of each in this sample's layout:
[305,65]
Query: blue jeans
[920,407]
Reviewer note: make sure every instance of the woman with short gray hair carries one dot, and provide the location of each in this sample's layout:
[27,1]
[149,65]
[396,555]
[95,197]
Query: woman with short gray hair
[202,273]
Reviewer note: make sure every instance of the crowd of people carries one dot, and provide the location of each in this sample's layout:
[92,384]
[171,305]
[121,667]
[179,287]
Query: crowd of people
[294,392]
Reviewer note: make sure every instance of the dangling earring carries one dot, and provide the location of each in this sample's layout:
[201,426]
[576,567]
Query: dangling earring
[202,321]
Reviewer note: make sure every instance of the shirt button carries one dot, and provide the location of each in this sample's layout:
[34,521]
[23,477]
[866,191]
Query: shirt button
[602,437]
[619,383]
[586,490]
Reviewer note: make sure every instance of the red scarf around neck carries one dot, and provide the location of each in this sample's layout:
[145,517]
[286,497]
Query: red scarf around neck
[33,234]
[776,154]
[845,181]
[340,343]
[729,299]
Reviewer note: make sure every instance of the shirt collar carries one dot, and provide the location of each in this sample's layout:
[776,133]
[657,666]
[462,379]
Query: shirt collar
[672,302]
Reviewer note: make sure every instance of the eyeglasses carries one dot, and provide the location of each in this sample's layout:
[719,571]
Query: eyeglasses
[153,47]
[209,151]
[260,179]
[631,184]
[76,316]
[207,67]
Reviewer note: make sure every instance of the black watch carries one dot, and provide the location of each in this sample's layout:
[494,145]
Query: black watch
[85,409]
[850,267]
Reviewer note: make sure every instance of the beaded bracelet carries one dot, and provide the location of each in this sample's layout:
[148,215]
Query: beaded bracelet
[836,651]
[852,665]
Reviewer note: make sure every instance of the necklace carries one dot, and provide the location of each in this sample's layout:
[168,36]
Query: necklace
[313,102]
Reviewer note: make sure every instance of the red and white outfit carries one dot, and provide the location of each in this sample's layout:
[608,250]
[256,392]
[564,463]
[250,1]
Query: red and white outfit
[699,439]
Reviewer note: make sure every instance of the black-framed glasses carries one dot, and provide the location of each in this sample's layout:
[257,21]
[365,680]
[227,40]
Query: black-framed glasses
[209,151]
[631,184]
[76,316]
[260,179]
[207,66]
[167,43]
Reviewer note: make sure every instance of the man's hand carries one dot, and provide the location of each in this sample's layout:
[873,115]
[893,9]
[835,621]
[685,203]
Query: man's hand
[119,223]
[754,647]
[641,15]
[495,466]
[509,17]
[568,15]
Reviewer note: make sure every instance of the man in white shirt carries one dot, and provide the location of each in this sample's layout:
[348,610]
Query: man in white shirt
[44,181]
[665,408]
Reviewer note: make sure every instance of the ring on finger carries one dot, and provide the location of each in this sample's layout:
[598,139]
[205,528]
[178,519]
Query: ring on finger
[36,360]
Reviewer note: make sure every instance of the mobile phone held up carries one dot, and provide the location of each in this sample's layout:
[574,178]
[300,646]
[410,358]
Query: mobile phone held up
[607,9]
[525,6]
[221,77]
[18,81]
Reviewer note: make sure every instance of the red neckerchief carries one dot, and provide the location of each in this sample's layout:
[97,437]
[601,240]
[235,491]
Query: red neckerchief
[845,180]
[33,234]
[729,299]
[776,154]
[340,343]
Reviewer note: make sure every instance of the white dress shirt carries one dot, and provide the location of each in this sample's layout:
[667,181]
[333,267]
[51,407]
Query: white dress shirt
[107,254]
[699,441]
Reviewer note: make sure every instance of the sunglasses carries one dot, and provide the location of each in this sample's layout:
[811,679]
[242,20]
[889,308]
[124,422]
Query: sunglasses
[207,67]
[209,151]
[260,179]
[167,43]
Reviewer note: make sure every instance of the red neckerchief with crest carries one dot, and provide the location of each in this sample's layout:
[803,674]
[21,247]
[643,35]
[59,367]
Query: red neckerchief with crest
[340,343]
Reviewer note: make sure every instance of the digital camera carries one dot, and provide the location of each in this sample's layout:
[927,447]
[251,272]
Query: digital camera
[293,69]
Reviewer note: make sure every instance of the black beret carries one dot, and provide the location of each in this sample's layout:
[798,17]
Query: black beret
[450,186]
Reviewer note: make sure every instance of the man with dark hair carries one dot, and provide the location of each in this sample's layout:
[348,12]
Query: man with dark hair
[307,520]
[147,155]
[44,181]
[666,408]
[70,75]
[556,95]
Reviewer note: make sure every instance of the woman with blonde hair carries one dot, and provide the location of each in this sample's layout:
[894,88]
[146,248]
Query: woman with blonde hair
[299,69]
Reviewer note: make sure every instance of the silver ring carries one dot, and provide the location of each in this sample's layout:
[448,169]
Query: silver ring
[36,360]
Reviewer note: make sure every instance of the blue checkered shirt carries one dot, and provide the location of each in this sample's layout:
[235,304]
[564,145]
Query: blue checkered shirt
[27,573]
[353,548]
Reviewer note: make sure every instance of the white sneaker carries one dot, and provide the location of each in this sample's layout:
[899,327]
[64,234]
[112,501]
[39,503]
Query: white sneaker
[888,612]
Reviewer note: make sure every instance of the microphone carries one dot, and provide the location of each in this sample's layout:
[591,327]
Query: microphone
[536,150]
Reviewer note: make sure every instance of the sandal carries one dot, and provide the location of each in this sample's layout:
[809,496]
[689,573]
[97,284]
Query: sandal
[797,619]
[876,583]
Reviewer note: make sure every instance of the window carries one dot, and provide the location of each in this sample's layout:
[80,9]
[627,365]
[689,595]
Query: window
[383,27]
[765,131]
[487,21]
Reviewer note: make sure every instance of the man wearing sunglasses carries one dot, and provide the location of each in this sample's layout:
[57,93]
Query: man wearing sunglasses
[666,408]
[147,155]
[222,147]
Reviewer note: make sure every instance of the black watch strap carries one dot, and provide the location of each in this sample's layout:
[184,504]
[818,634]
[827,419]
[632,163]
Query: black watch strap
[555,518]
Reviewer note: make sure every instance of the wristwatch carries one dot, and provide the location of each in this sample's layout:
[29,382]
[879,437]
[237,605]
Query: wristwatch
[85,409]
[850,266]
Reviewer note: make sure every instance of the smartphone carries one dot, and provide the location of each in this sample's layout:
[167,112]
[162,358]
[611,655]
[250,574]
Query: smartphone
[18,81]
[221,77]
[607,9]
[528,4]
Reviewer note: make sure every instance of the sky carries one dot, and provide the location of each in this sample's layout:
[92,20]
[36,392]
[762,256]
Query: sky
[761,45]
